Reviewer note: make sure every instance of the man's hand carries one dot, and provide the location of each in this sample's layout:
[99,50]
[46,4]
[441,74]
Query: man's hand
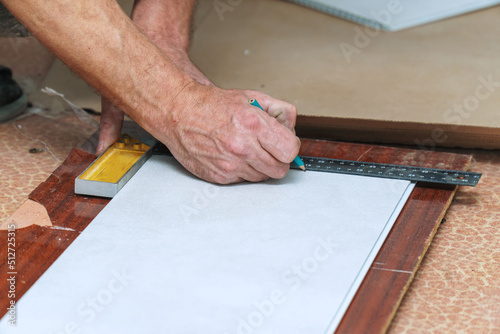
[217,135]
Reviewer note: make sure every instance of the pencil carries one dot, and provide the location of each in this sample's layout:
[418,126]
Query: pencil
[298,161]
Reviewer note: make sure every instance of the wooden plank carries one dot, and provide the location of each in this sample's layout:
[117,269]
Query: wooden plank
[341,71]
[424,135]
[37,247]
[378,297]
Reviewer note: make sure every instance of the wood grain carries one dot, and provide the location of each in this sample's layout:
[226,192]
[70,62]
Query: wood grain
[37,247]
[380,293]
[425,135]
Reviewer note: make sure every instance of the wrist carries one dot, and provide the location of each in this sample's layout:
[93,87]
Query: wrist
[180,57]
[167,43]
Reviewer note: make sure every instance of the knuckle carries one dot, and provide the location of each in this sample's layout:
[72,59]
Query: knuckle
[220,179]
[292,150]
[111,123]
[259,178]
[288,117]
[238,148]
[251,122]
[281,171]
[251,92]
[279,126]
[276,128]
[293,112]
[228,168]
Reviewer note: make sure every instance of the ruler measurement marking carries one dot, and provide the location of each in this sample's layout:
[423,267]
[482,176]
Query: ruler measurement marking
[391,171]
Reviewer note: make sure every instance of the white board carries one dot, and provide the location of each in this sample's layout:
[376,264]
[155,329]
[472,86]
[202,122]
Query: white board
[174,254]
[396,14]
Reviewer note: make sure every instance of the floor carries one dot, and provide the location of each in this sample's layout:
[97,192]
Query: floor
[457,288]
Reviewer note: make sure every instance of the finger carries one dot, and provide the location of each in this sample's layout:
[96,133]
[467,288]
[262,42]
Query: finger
[284,112]
[279,141]
[273,137]
[237,170]
[251,161]
[258,165]
[250,174]
[110,126]
[267,165]
[221,175]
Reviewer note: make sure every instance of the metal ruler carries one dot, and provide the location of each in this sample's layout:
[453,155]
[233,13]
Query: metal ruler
[409,173]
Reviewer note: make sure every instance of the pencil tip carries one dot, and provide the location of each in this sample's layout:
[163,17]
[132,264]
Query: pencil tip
[303,168]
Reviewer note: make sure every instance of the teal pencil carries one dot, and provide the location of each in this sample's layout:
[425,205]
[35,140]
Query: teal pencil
[298,161]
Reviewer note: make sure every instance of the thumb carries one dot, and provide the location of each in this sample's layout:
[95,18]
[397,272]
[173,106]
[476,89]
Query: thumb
[110,126]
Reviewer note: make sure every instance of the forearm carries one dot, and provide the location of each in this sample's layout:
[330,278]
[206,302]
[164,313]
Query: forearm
[165,22]
[100,43]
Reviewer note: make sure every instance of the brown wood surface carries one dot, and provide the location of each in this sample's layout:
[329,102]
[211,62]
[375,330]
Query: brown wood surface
[37,247]
[424,135]
[380,293]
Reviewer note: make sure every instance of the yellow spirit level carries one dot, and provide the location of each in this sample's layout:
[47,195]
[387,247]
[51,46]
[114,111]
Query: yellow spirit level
[112,170]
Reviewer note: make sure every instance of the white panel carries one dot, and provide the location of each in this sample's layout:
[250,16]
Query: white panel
[173,254]
[397,14]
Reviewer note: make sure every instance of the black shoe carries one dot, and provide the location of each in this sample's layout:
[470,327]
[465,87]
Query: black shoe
[13,101]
